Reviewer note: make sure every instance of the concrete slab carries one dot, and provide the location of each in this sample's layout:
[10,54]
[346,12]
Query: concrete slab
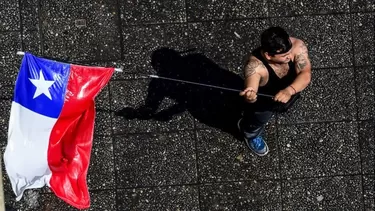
[362,5]
[222,158]
[141,41]
[255,194]
[199,10]
[9,21]
[327,193]
[226,41]
[98,39]
[319,149]
[144,11]
[364,79]
[326,98]
[155,159]
[132,94]
[307,7]
[159,198]
[363,37]
[101,174]
[367,144]
[328,37]
[10,61]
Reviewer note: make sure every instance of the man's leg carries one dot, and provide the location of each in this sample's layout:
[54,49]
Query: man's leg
[252,125]
[253,122]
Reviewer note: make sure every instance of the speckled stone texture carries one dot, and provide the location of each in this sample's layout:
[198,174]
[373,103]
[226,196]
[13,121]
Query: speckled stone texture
[226,41]
[328,193]
[325,149]
[163,145]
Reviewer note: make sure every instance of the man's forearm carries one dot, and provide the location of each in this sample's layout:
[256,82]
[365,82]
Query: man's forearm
[253,82]
[302,81]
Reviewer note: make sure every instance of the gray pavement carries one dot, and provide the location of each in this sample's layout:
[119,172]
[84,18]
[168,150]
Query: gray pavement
[321,152]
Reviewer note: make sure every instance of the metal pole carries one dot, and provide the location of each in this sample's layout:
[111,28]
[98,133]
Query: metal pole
[200,84]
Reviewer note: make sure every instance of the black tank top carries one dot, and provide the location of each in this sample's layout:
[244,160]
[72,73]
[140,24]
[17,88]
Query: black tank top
[274,83]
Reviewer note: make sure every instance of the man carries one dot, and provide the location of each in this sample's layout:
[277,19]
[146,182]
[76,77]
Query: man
[281,68]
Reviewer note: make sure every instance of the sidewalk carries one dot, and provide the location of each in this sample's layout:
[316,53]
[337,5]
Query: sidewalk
[321,153]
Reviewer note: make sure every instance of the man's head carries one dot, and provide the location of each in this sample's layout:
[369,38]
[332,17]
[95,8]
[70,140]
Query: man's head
[276,45]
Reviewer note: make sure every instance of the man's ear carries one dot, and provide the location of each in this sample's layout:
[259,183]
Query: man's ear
[267,55]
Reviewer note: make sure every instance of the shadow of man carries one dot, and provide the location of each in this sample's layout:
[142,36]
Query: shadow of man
[214,107]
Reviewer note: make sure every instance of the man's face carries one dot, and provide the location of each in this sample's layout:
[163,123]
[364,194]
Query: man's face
[281,58]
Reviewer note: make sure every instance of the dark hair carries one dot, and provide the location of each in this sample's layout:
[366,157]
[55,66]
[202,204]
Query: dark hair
[275,40]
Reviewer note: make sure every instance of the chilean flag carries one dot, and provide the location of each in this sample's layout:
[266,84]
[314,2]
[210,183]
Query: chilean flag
[51,127]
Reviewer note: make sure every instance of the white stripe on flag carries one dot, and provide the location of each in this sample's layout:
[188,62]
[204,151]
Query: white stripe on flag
[25,157]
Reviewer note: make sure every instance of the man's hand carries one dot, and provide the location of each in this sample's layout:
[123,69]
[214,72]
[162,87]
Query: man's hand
[284,95]
[249,94]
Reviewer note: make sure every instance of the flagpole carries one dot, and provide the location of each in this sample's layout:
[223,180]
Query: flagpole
[207,85]
[21,53]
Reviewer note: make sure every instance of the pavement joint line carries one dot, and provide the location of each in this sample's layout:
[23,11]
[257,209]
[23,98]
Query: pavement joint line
[240,181]
[244,19]
[205,129]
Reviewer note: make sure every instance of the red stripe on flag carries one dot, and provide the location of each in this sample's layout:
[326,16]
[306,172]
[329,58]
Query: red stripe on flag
[71,138]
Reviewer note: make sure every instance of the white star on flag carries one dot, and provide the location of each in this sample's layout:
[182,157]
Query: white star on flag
[42,86]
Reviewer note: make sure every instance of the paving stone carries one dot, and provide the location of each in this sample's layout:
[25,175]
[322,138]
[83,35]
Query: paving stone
[103,123]
[330,193]
[29,14]
[101,174]
[363,37]
[305,7]
[364,78]
[146,11]
[6,91]
[102,100]
[31,42]
[132,94]
[369,192]
[98,40]
[9,60]
[362,5]
[155,159]
[328,38]
[367,144]
[199,10]
[159,198]
[9,15]
[227,42]
[247,195]
[320,149]
[36,201]
[222,157]
[141,41]
[326,98]
[5,106]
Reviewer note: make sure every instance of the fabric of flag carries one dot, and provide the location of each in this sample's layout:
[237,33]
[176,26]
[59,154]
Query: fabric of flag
[51,127]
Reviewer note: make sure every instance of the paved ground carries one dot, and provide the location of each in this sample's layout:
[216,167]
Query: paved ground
[187,156]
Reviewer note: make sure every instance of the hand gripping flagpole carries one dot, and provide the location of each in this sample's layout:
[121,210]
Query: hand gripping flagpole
[207,85]
[21,53]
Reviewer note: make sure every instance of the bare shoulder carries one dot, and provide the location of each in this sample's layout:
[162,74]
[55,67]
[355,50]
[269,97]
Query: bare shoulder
[299,46]
[301,55]
[253,65]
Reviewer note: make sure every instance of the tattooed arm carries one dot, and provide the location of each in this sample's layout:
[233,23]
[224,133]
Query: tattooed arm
[253,75]
[303,67]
